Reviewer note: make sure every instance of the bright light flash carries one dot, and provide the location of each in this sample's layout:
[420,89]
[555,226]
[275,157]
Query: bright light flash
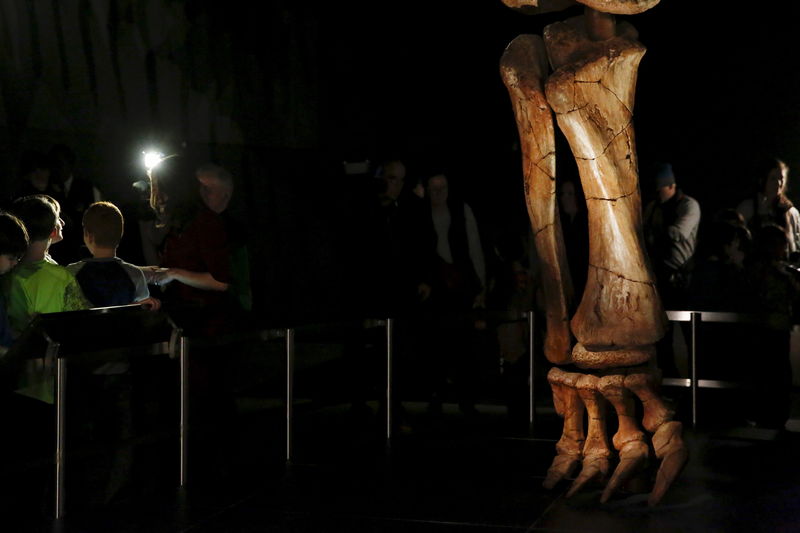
[151,159]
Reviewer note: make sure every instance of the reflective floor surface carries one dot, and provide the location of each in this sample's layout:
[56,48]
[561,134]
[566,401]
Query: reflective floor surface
[442,473]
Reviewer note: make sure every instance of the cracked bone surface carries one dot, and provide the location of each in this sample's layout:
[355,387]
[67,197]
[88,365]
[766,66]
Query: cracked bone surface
[570,407]
[617,7]
[592,93]
[620,317]
[596,452]
[629,441]
[524,69]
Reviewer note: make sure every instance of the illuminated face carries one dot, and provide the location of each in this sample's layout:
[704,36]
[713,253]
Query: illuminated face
[438,190]
[8,261]
[776,181]
[215,193]
[58,231]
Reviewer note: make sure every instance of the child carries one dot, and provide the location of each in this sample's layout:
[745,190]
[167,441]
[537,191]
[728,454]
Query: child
[39,285]
[13,245]
[107,280]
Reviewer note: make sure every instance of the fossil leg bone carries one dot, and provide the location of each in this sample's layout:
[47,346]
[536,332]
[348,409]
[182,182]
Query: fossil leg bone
[591,92]
[620,317]
[523,68]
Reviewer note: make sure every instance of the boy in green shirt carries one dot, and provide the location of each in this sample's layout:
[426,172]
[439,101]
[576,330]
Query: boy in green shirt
[13,245]
[38,284]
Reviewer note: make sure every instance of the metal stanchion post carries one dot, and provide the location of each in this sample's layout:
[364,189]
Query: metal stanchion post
[61,404]
[531,397]
[289,392]
[695,318]
[184,408]
[389,354]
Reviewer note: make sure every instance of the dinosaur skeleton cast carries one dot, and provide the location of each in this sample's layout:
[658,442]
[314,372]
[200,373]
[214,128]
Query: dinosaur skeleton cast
[610,339]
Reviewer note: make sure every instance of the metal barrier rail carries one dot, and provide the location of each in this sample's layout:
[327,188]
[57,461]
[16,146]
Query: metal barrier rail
[60,332]
[186,343]
[265,335]
[695,317]
[179,346]
[693,382]
[389,324]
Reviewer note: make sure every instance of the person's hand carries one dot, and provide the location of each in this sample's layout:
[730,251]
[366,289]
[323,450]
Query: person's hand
[163,277]
[150,304]
[423,291]
[150,272]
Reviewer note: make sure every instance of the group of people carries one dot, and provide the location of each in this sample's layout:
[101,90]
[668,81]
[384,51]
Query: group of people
[742,262]
[423,261]
[189,233]
[201,276]
[427,264]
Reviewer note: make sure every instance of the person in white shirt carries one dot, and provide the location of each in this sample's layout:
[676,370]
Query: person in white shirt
[458,291]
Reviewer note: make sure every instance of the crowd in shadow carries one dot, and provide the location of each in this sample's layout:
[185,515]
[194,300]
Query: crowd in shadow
[458,292]
[460,298]
[742,261]
[60,251]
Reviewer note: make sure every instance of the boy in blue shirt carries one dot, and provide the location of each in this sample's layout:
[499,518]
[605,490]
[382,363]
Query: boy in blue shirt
[106,279]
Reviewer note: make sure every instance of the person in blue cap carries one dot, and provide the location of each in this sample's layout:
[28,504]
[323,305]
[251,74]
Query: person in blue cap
[671,222]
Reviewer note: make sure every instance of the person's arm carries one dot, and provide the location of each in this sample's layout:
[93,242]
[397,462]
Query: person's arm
[150,303]
[683,234]
[793,229]
[198,280]
[150,273]
[151,238]
[687,220]
[141,292]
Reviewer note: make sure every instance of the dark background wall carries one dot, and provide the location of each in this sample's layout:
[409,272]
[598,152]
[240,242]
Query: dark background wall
[283,92]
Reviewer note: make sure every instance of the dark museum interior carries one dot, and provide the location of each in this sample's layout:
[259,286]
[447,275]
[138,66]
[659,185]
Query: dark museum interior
[325,400]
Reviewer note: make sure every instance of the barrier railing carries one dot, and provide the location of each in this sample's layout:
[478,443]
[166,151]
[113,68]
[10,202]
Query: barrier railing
[103,335]
[89,337]
[289,335]
[693,382]
[128,331]
[370,323]
[696,317]
[186,344]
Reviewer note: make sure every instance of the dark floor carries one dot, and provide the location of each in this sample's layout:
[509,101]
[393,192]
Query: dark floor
[442,474]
